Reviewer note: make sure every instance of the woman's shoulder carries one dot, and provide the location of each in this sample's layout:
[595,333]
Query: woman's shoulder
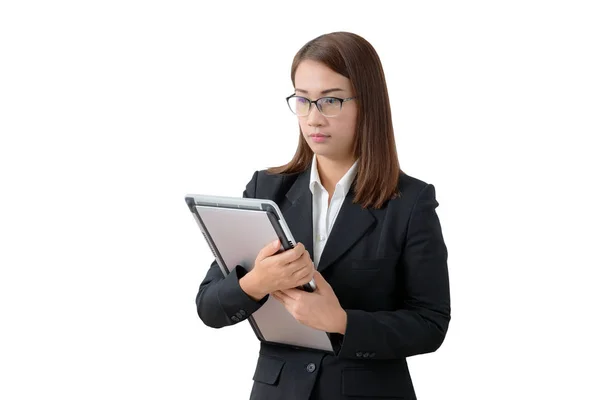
[266,178]
[268,185]
[410,184]
[411,189]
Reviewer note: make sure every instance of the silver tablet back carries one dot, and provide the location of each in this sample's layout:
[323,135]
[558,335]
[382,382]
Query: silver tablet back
[238,235]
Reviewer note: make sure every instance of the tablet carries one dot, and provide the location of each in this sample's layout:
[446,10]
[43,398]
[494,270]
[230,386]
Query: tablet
[236,229]
[262,218]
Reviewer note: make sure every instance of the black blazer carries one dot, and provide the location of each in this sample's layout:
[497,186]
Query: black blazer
[388,268]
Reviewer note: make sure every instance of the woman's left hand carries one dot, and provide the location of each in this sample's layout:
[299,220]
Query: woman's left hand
[320,309]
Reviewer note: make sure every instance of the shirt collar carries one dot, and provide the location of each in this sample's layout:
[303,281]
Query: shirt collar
[344,184]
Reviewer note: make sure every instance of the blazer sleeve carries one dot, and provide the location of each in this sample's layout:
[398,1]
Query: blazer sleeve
[220,300]
[420,325]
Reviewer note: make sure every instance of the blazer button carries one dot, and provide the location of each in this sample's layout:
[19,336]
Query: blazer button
[366,355]
[311,367]
[243,313]
[359,354]
[235,319]
[239,315]
[372,355]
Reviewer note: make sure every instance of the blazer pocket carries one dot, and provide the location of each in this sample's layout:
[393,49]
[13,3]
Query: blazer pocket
[268,370]
[368,383]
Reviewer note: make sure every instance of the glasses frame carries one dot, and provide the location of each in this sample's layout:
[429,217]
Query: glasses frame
[315,102]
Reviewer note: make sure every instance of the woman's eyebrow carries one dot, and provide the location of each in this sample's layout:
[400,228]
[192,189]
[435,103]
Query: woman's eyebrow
[326,91]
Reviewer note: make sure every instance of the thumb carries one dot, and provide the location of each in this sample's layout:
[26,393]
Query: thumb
[319,280]
[268,250]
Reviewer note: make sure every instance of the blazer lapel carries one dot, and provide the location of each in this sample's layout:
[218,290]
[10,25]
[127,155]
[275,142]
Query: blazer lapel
[299,214]
[350,225]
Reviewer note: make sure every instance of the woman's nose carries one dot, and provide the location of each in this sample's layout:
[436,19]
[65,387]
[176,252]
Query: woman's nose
[314,117]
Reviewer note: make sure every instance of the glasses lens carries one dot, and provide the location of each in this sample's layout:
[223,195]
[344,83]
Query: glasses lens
[299,105]
[330,106]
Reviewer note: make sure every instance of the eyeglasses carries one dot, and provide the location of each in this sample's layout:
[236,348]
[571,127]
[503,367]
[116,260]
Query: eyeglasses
[328,106]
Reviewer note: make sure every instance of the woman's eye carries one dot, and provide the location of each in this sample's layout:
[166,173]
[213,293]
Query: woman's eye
[329,101]
[301,100]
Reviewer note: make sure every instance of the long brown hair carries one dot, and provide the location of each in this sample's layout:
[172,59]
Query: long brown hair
[378,168]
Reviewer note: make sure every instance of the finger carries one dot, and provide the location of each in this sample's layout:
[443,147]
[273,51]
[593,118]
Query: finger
[285,300]
[291,255]
[277,297]
[268,250]
[301,265]
[318,277]
[301,271]
[292,294]
[303,276]
[320,281]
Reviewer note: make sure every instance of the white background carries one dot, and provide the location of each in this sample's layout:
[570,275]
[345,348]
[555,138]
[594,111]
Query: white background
[110,112]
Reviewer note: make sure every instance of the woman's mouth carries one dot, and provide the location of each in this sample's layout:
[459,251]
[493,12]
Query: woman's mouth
[319,137]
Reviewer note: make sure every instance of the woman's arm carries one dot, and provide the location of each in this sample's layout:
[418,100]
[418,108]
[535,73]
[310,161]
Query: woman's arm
[220,300]
[420,325]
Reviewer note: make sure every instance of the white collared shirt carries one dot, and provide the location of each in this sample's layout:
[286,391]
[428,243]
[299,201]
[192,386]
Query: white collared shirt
[324,215]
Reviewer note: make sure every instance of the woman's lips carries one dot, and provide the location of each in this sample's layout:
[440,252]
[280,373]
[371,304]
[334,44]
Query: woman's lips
[319,137]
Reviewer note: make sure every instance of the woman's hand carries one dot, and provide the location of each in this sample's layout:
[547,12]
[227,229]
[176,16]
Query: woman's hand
[272,272]
[320,309]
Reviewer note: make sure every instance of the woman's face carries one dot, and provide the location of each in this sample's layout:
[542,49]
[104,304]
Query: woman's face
[315,80]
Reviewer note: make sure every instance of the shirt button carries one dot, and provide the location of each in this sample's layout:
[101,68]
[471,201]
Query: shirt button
[311,367]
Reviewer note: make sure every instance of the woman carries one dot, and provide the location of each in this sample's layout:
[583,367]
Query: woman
[367,233]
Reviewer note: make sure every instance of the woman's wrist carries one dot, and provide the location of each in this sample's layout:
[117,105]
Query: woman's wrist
[250,286]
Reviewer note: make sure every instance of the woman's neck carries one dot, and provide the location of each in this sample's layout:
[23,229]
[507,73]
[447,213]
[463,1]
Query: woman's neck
[331,171]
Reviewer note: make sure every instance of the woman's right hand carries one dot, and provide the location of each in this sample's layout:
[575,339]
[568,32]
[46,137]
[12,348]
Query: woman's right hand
[272,272]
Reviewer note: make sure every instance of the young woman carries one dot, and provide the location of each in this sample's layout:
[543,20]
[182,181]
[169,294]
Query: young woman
[367,233]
